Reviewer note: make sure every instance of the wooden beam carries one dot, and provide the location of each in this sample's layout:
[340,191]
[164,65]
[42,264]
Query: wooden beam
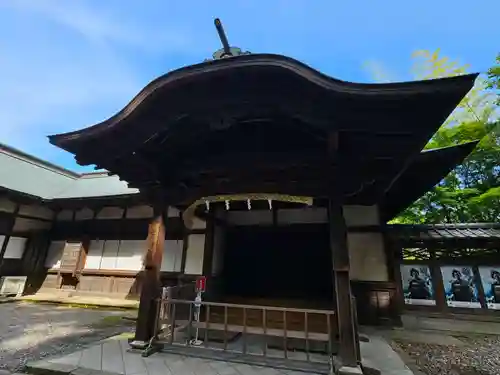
[185,236]
[151,283]
[188,196]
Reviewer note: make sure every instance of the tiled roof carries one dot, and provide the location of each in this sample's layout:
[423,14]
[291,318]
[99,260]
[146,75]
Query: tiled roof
[445,232]
[29,175]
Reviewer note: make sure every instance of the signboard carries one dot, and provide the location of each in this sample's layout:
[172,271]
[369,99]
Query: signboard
[460,286]
[490,278]
[201,283]
[417,285]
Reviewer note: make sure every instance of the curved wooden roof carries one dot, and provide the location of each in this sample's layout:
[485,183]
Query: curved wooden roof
[421,175]
[260,123]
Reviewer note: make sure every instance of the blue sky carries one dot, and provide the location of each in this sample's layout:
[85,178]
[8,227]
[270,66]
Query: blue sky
[67,64]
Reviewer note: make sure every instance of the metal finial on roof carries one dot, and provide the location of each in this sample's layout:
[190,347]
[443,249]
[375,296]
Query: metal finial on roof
[226,50]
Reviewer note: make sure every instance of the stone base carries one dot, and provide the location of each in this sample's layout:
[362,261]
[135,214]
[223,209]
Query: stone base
[138,344]
[337,368]
[344,370]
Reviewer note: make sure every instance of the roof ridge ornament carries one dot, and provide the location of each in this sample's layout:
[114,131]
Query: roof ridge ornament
[226,50]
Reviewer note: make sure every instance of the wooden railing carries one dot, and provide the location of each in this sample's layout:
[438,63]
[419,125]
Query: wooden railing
[266,331]
[184,292]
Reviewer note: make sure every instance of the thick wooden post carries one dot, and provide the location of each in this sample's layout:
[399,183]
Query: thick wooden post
[208,251]
[151,283]
[340,256]
[208,255]
[396,252]
[348,338]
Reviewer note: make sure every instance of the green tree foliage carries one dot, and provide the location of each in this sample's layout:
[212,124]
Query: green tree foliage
[470,193]
[494,78]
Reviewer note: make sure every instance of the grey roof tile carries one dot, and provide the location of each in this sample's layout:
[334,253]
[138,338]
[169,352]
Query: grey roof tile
[33,176]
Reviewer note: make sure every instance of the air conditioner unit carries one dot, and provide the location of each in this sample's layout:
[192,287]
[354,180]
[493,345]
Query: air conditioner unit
[12,285]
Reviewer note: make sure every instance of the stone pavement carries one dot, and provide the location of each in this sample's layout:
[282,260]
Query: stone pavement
[416,322]
[112,356]
[377,353]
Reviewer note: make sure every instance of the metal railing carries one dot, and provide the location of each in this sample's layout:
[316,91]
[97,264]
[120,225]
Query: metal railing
[266,331]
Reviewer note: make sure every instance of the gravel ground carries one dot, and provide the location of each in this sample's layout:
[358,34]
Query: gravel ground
[479,356]
[31,332]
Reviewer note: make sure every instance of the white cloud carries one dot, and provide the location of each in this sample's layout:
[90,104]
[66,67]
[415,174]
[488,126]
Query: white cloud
[100,24]
[65,66]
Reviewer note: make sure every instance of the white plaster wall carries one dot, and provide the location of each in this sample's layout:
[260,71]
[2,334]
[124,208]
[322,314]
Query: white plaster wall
[36,211]
[110,213]
[25,225]
[194,254]
[218,253]
[367,257]
[173,212]
[250,217]
[198,223]
[130,253]
[84,214]
[15,248]
[172,256]
[109,254]
[7,205]
[361,215]
[306,215]
[53,259]
[94,254]
[139,212]
[125,255]
[65,215]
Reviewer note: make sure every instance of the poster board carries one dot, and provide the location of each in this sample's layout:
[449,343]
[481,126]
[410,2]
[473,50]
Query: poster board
[490,278]
[417,285]
[460,287]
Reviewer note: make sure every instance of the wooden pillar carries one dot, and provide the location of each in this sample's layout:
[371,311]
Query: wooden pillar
[208,251]
[348,338]
[151,283]
[10,228]
[396,253]
[185,239]
[340,256]
[437,281]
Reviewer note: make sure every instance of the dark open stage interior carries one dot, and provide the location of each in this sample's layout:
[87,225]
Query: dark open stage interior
[289,265]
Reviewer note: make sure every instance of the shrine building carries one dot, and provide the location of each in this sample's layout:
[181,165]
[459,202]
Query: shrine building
[269,178]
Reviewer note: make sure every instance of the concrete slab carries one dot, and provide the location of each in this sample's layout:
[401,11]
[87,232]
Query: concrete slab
[113,356]
[425,337]
[417,322]
[378,354]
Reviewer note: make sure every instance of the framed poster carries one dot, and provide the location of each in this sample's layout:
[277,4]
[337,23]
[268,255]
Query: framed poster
[490,278]
[417,285]
[460,287]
